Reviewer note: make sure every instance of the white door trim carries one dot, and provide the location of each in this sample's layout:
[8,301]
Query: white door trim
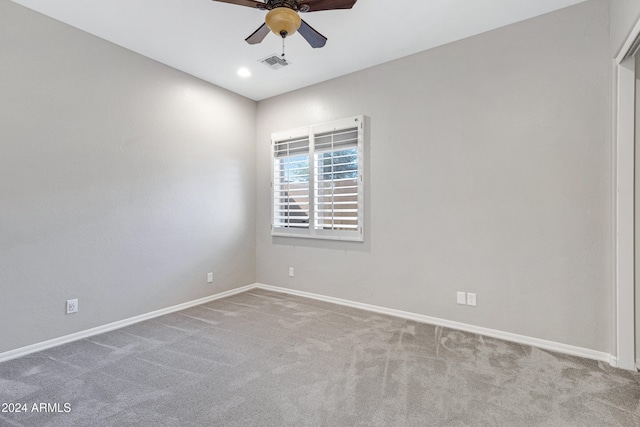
[624,114]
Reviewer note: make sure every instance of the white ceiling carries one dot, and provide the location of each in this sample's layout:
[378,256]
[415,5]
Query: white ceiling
[206,38]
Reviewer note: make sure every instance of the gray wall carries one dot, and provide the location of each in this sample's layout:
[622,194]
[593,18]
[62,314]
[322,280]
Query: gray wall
[122,182]
[624,15]
[490,172]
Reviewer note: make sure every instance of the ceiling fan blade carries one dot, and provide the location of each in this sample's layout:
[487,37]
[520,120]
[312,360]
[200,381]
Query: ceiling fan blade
[314,38]
[258,35]
[249,3]
[318,5]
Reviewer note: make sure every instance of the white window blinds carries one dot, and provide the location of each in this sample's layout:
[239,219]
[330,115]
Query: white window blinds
[336,180]
[318,181]
[291,183]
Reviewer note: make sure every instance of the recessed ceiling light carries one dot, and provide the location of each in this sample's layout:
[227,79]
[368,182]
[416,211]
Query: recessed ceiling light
[244,72]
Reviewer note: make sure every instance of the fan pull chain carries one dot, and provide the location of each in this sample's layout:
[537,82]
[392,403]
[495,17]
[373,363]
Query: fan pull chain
[283,48]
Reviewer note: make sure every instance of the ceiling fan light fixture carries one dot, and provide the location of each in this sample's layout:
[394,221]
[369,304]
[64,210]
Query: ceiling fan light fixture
[283,21]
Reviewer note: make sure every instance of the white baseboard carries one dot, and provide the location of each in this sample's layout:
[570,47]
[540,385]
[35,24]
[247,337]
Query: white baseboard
[521,339]
[507,336]
[23,351]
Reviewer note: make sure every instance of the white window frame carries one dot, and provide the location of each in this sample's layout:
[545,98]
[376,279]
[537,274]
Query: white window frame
[311,131]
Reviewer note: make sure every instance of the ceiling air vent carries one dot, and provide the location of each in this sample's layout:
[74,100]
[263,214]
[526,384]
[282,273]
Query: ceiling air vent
[275,61]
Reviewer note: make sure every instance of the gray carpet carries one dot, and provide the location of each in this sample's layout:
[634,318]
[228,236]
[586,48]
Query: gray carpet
[268,359]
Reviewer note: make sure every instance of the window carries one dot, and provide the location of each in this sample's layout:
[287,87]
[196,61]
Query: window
[318,181]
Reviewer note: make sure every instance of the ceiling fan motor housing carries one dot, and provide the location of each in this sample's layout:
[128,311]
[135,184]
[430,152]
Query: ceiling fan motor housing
[283,21]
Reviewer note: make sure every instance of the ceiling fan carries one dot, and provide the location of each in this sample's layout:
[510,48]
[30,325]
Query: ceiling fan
[283,18]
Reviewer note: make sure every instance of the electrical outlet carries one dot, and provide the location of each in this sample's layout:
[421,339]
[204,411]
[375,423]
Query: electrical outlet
[291,273]
[461,298]
[471,299]
[210,277]
[72,306]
